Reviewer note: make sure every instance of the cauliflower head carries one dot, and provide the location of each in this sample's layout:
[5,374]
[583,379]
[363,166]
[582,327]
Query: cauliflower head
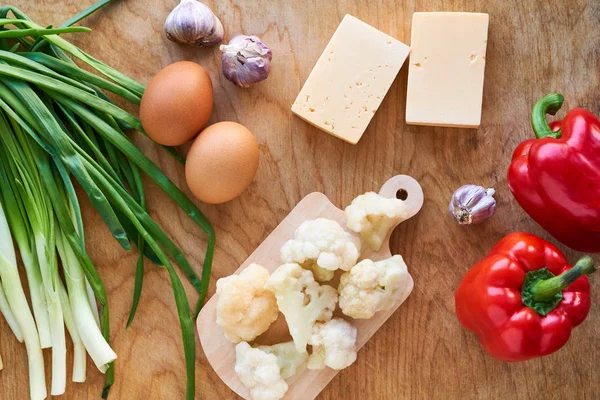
[301,300]
[259,372]
[334,345]
[245,308]
[373,217]
[322,246]
[370,286]
[288,357]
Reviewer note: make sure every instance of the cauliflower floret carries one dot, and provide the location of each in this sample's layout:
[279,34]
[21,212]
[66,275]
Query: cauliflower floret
[245,308]
[301,300]
[370,286]
[334,345]
[373,216]
[288,357]
[259,372]
[322,246]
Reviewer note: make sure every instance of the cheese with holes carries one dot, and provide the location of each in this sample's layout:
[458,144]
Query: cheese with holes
[445,73]
[350,79]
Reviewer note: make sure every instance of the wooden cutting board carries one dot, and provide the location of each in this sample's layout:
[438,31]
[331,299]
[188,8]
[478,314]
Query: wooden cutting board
[305,384]
[421,352]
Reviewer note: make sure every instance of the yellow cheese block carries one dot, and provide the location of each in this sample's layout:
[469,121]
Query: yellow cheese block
[445,74]
[350,79]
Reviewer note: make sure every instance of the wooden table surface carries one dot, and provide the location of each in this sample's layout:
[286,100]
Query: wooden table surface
[422,352]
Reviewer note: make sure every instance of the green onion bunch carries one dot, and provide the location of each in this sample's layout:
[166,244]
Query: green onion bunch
[58,127]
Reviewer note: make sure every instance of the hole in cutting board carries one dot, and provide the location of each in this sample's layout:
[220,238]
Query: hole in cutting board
[402,194]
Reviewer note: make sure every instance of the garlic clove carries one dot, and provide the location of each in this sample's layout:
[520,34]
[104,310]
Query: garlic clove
[192,22]
[246,60]
[472,204]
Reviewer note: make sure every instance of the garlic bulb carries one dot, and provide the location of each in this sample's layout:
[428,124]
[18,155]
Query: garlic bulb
[246,60]
[192,22]
[472,204]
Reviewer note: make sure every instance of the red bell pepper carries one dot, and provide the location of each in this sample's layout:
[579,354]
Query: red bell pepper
[556,177]
[523,299]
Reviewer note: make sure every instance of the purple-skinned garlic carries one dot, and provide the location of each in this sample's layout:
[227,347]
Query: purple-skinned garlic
[192,22]
[472,204]
[246,60]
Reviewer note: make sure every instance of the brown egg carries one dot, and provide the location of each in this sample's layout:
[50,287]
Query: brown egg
[221,162]
[177,103]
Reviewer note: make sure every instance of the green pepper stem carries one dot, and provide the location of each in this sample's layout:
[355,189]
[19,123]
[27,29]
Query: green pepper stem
[545,289]
[549,104]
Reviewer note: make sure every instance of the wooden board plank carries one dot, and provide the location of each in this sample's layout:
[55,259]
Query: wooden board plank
[421,353]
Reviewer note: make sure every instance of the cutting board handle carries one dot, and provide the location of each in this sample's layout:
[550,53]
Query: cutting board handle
[405,188]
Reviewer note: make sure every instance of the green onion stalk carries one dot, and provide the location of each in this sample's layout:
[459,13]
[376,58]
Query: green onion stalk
[79,304]
[79,352]
[73,131]
[22,237]
[92,301]
[15,295]
[9,317]
[14,145]
[81,307]
[45,246]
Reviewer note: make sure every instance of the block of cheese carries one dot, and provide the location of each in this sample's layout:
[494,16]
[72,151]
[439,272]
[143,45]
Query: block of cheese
[350,79]
[445,74]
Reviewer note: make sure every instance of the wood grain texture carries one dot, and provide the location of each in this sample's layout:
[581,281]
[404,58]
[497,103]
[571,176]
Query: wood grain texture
[305,384]
[421,353]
